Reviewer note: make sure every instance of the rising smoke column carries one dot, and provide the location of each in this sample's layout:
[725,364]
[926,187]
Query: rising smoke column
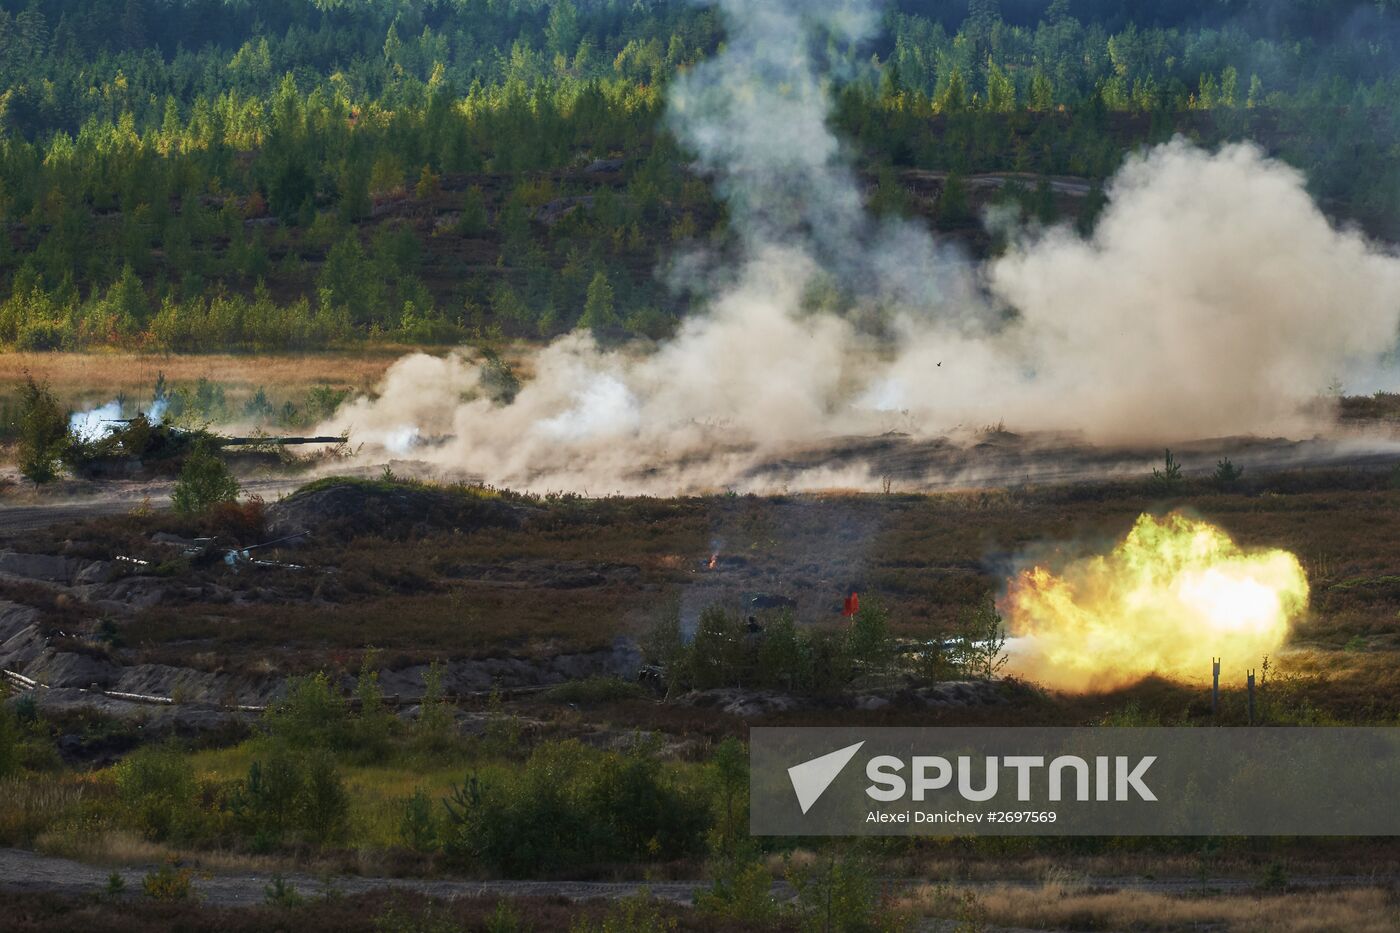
[757,117]
[1213,298]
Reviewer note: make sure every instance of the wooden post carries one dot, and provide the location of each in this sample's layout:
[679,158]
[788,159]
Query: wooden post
[1249,681]
[1215,686]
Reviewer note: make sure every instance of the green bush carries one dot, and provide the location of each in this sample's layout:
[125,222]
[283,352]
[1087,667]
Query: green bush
[473,220]
[204,481]
[571,805]
[281,894]
[43,432]
[784,656]
[724,653]
[838,893]
[291,795]
[1226,473]
[170,882]
[373,724]
[977,648]
[159,794]
[417,828]
[871,646]
[742,890]
[729,773]
[719,655]
[832,666]
[310,715]
[436,727]
[324,808]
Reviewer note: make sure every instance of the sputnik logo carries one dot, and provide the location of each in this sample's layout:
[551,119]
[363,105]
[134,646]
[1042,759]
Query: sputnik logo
[811,778]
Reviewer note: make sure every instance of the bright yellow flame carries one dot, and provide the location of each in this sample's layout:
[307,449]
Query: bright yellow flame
[1170,596]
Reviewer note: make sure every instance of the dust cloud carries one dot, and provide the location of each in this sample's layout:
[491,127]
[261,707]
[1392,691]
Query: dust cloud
[1212,298]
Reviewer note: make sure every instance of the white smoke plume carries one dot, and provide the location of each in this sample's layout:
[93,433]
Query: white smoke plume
[1214,297]
[94,423]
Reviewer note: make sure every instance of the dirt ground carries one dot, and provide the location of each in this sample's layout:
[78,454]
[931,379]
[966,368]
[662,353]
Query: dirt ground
[568,575]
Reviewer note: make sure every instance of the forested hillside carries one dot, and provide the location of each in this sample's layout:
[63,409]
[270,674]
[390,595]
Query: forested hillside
[280,174]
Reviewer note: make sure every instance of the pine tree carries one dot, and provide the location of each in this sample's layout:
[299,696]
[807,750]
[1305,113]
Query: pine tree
[599,315]
[952,201]
[953,97]
[43,431]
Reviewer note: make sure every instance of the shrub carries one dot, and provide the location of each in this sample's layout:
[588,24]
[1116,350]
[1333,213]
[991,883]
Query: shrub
[402,915]
[729,769]
[204,482]
[373,725]
[311,715]
[417,828]
[116,885]
[43,432]
[570,806]
[832,666]
[43,336]
[838,893]
[322,401]
[170,882]
[502,736]
[290,794]
[281,894]
[869,635]
[663,642]
[245,519]
[639,913]
[159,793]
[498,379]
[1226,473]
[718,655]
[742,890]
[265,804]
[1169,477]
[504,919]
[435,728]
[784,658]
[323,806]
[977,646]
[473,219]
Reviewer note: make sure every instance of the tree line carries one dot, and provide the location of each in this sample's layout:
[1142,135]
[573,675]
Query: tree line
[196,175]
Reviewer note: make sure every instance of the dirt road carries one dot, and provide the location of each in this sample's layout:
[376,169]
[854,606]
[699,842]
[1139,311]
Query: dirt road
[17,519]
[21,870]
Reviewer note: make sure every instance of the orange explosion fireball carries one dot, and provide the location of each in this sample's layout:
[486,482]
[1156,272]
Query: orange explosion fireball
[1170,596]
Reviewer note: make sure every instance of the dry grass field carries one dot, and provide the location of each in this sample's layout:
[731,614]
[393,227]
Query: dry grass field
[78,375]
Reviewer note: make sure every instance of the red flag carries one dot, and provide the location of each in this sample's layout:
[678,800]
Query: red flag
[852,605]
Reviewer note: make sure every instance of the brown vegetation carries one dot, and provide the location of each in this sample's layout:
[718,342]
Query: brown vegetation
[1059,906]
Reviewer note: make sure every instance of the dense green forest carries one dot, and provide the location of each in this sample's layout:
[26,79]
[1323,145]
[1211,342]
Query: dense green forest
[199,175]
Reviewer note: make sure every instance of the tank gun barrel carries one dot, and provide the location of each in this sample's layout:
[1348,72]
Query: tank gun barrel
[286,441]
